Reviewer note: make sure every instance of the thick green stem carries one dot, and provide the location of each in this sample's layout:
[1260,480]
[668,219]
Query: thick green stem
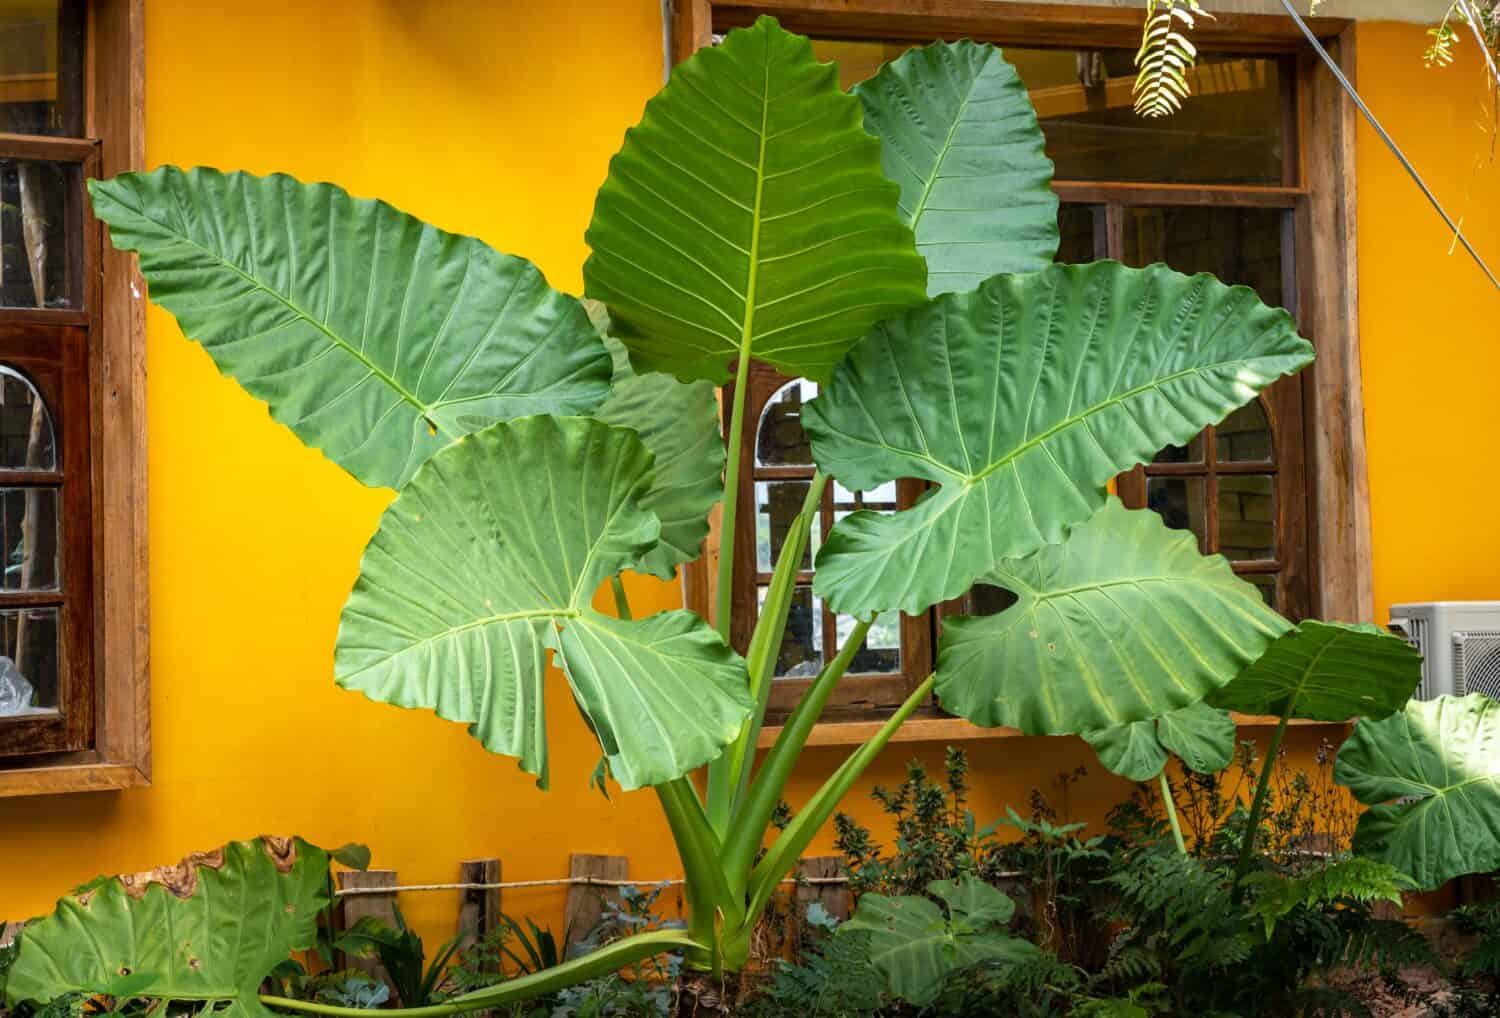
[1258,804]
[785,850]
[760,660]
[720,790]
[725,598]
[607,959]
[710,902]
[1171,807]
[747,832]
[622,603]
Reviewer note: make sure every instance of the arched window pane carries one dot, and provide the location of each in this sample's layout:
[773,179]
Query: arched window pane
[1190,453]
[27,441]
[779,438]
[28,538]
[1245,436]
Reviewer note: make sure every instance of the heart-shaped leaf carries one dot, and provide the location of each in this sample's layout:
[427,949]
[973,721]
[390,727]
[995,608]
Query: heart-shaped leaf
[679,422]
[205,931]
[490,557]
[1201,737]
[1021,400]
[916,947]
[1122,622]
[959,134]
[1327,671]
[746,216]
[375,337]
[1431,777]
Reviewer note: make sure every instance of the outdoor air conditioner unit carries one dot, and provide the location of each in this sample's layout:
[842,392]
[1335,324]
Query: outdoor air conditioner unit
[1460,645]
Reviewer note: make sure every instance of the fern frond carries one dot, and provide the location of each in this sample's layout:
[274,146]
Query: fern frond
[1355,880]
[1166,56]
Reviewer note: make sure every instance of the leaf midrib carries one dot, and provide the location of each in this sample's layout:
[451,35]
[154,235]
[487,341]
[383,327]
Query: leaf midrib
[942,155]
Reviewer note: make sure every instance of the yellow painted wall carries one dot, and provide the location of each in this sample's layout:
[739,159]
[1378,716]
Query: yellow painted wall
[498,120]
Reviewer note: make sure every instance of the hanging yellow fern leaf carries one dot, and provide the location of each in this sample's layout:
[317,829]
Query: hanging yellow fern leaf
[1165,56]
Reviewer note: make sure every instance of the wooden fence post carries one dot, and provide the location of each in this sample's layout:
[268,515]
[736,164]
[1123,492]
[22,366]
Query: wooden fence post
[354,907]
[586,901]
[835,898]
[478,911]
[8,933]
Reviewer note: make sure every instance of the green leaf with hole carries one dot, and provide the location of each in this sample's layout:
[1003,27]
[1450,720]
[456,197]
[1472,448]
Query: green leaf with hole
[746,216]
[915,945]
[203,932]
[1201,737]
[958,133]
[375,337]
[489,558]
[1327,671]
[1020,401]
[1430,774]
[679,422]
[1122,622]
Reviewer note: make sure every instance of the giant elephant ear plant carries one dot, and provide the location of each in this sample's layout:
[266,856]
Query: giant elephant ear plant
[895,245]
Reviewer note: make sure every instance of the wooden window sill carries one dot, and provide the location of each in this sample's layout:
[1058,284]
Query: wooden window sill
[54,779]
[853,733]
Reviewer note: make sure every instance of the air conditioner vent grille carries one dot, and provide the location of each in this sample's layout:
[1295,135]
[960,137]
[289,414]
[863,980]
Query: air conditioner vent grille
[1476,663]
[1416,629]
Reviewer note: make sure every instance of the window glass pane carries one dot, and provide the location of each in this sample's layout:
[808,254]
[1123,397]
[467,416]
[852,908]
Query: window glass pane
[777,504]
[1182,502]
[1190,453]
[28,537]
[779,439]
[1237,245]
[1265,583]
[1245,436]
[1227,132]
[28,661]
[1081,232]
[881,653]
[27,441]
[36,244]
[986,599]
[41,67]
[879,499]
[1247,516]
[801,654]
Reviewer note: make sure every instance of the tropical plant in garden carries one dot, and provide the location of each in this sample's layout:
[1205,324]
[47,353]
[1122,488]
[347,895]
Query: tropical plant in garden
[894,245]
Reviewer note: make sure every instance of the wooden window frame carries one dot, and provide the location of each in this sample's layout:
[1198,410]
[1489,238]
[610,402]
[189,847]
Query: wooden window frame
[1323,206]
[113,313]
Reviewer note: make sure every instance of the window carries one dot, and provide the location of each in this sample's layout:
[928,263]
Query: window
[897,655]
[1224,186]
[72,576]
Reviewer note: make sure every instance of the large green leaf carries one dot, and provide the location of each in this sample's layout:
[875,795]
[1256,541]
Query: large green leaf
[1122,622]
[1021,400]
[1201,737]
[1431,777]
[679,422]
[746,215]
[490,557]
[1327,671]
[375,337]
[207,930]
[959,134]
[915,946]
